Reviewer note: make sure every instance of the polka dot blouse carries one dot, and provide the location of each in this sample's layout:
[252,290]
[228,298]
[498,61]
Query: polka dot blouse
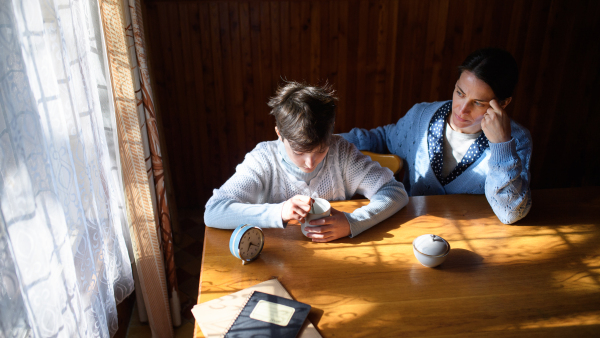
[435,140]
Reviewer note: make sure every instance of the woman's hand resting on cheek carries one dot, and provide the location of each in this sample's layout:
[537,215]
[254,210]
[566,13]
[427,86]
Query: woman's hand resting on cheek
[329,228]
[496,124]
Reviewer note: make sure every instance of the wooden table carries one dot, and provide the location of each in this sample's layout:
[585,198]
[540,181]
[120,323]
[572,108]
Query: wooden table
[540,277]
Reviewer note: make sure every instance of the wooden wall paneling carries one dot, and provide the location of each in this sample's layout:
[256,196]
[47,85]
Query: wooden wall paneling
[342,66]
[379,15]
[381,56]
[325,47]
[228,88]
[466,26]
[589,161]
[247,76]
[295,69]
[223,133]
[348,95]
[205,171]
[236,89]
[498,32]
[305,31]
[268,88]
[315,42]
[401,55]
[210,108]
[487,21]
[178,100]
[439,17]
[534,41]
[258,79]
[330,46]
[367,42]
[552,86]
[517,17]
[567,130]
[359,85]
[275,17]
[452,49]
[286,45]
[549,82]
[390,63]
[417,52]
[516,35]
[183,61]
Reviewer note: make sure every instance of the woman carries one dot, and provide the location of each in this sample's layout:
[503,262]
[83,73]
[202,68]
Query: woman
[465,146]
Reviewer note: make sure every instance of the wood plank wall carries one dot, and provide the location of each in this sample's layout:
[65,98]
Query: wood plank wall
[215,64]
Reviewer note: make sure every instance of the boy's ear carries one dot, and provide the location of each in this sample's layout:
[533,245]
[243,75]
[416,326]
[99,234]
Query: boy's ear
[278,135]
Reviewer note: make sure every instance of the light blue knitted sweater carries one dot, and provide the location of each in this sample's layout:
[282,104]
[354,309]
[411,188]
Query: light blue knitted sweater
[501,172]
[267,178]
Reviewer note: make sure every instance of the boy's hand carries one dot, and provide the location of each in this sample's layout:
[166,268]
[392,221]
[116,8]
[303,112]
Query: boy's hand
[296,208]
[331,228]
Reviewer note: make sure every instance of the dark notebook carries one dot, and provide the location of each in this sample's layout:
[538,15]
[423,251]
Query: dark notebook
[266,315]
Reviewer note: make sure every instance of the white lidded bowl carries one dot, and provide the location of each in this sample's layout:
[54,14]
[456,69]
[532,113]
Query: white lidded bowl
[431,250]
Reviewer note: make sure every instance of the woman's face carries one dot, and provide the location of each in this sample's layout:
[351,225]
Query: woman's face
[470,101]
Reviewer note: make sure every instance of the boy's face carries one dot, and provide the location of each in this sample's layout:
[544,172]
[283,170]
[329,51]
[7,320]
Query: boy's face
[307,161]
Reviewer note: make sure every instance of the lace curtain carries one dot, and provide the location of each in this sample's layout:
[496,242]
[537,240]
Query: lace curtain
[64,263]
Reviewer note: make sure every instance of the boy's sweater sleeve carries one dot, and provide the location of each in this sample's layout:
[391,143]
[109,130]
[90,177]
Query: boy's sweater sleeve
[369,179]
[241,199]
[507,184]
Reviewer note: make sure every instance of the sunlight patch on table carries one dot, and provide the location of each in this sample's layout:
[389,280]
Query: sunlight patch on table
[574,320]
[374,254]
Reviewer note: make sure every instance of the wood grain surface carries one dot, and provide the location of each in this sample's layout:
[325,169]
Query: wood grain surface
[538,278]
[215,65]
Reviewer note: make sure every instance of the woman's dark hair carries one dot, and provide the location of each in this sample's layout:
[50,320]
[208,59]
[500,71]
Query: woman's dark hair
[496,67]
[304,115]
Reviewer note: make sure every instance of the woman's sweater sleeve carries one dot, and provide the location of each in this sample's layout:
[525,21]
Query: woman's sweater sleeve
[374,140]
[507,184]
[369,179]
[383,140]
[242,199]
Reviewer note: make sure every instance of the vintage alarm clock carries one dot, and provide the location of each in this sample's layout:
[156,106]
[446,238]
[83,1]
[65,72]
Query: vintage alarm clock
[246,242]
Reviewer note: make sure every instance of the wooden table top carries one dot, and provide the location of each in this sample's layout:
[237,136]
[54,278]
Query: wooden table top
[540,277]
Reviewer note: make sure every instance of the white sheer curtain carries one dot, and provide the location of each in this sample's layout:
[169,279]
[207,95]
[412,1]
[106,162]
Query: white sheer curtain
[64,263]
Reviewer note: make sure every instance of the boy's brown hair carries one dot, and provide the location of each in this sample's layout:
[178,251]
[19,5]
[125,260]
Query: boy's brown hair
[304,115]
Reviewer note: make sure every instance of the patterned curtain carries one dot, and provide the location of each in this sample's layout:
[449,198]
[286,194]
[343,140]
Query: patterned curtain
[64,263]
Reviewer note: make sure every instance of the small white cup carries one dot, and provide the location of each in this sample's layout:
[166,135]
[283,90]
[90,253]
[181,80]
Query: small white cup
[320,208]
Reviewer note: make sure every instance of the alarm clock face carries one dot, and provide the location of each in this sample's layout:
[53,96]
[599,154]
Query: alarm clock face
[251,244]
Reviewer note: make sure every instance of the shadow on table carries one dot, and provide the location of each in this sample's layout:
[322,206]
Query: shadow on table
[550,209]
[315,315]
[461,260]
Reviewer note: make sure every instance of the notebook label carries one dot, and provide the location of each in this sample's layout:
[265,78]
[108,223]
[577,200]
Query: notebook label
[272,313]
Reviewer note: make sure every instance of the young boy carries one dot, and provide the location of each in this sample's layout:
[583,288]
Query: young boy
[277,179]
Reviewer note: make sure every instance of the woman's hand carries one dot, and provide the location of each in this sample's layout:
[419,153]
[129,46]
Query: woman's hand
[330,228]
[496,124]
[296,208]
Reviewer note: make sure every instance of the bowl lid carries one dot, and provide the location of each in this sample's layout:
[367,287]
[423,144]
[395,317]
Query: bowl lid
[431,245]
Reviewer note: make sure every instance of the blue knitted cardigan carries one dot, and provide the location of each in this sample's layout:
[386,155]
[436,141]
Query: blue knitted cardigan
[498,170]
